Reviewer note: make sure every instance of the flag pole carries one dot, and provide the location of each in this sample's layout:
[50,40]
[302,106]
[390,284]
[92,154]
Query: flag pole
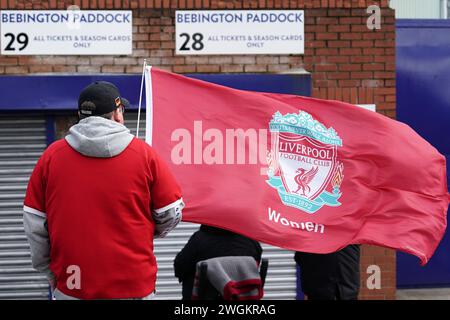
[149,105]
[140,98]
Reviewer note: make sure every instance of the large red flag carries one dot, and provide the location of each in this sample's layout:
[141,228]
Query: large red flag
[299,173]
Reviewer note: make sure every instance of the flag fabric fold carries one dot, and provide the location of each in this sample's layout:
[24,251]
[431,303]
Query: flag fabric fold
[295,172]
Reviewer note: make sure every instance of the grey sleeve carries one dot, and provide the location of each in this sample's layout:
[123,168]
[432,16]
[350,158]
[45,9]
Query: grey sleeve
[37,234]
[168,219]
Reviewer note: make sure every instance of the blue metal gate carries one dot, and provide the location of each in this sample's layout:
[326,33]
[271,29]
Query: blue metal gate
[423,102]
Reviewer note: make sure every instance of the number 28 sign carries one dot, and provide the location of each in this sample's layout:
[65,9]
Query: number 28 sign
[239,32]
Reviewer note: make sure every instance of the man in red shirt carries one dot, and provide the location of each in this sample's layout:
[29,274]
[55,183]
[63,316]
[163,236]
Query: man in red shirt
[94,203]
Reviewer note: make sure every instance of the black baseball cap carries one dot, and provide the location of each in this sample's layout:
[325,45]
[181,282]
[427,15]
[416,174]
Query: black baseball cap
[103,96]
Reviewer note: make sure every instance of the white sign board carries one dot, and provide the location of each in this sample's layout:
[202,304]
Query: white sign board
[58,32]
[239,32]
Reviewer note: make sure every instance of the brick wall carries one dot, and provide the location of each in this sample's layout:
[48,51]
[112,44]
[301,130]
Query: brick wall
[347,61]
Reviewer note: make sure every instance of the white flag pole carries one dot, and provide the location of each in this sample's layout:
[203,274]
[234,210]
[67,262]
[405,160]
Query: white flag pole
[140,99]
[149,105]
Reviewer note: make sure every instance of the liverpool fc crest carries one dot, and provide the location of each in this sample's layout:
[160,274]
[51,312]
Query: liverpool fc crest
[303,162]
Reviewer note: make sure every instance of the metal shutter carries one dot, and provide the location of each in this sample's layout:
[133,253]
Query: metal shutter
[281,278]
[22,141]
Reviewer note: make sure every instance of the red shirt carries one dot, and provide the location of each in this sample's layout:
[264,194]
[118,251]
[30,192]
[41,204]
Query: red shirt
[99,217]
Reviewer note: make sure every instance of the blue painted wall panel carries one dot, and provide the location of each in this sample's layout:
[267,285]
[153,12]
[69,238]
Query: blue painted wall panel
[61,92]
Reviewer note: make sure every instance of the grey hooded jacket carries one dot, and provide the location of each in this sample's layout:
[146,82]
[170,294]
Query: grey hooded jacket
[93,137]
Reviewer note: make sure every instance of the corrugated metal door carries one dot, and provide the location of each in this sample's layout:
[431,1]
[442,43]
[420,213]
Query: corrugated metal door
[419,9]
[22,141]
[281,276]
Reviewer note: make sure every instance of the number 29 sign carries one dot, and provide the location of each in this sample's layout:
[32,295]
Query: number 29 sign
[65,32]
[239,32]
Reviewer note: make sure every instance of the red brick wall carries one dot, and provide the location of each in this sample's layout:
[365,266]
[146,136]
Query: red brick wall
[347,61]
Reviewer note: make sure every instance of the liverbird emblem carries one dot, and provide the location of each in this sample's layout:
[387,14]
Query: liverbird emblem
[303,178]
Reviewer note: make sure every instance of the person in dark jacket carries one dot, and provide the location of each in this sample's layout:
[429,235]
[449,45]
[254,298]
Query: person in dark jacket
[206,243]
[333,276]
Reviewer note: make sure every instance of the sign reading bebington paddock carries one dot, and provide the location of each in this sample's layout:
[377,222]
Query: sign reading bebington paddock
[66,32]
[239,32]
